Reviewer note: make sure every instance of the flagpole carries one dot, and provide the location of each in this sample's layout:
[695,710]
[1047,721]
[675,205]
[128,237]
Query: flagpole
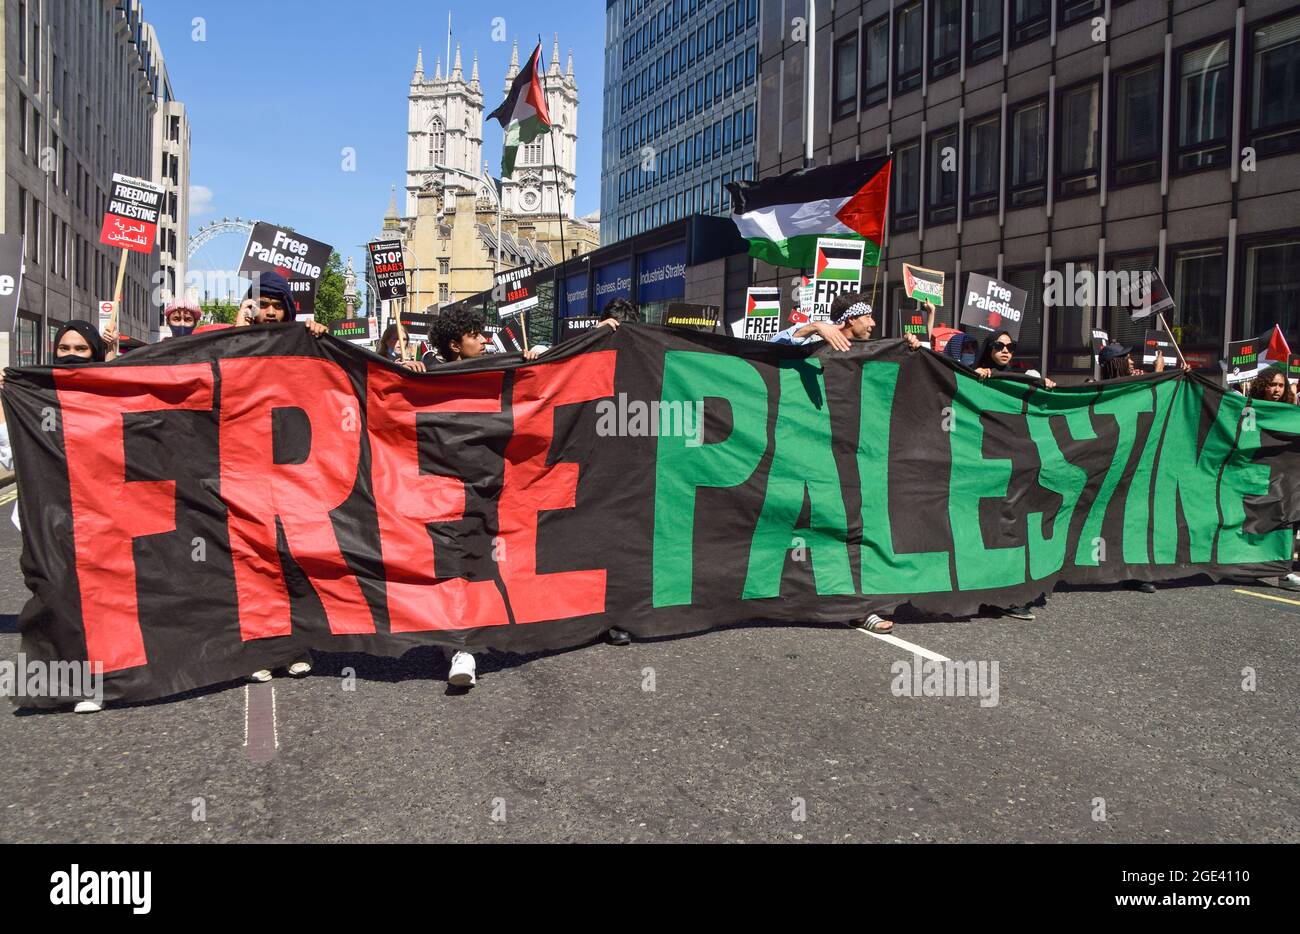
[559,202]
[1173,340]
[810,82]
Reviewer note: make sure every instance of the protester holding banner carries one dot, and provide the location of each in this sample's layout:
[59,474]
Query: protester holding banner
[182,317]
[1271,385]
[995,358]
[458,335]
[270,299]
[389,350]
[619,311]
[851,319]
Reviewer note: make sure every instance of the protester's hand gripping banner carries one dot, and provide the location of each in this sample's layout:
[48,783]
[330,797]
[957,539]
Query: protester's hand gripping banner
[205,508]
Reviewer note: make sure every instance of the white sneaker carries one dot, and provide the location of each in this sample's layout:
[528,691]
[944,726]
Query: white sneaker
[1290,582]
[87,706]
[298,669]
[462,670]
[261,675]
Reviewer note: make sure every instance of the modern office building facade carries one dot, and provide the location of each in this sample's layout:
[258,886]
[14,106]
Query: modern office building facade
[171,169]
[1074,136]
[81,88]
[681,85]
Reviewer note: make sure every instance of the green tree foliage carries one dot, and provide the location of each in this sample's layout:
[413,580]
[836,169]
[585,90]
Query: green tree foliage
[219,312]
[329,294]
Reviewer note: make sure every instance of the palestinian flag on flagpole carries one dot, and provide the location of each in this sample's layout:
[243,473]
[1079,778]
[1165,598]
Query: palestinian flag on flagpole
[1278,351]
[523,114]
[782,217]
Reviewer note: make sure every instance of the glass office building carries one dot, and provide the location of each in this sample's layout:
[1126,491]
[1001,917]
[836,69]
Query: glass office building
[681,89]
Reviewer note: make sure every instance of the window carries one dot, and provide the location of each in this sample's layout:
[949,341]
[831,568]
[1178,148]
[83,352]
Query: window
[985,30]
[1078,116]
[875,63]
[907,60]
[1119,322]
[1204,105]
[1275,83]
[1071,324]
[982,144]
[1199,290]
[941,188]
[1029,20]
[945,36]
[1030,342]
[444,266]
[1137,125]
[1074,10]
[845,90]
[907,188]
[1028,154]
[437,143]
[1272,287]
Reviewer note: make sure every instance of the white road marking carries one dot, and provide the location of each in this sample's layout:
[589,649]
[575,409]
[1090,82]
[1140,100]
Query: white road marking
[261,732]
[904,644]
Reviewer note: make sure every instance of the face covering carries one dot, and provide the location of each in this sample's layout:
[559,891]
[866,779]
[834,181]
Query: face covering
[67,359]
[181,330]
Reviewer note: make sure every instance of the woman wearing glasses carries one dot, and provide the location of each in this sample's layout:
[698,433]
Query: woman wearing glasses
[995,359]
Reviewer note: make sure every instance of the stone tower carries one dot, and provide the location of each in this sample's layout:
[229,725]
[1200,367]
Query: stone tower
[444,146]
[531,189]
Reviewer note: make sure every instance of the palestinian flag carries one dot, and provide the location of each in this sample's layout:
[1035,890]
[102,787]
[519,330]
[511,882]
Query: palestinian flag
[1277,350]
[782,217]
[523,114]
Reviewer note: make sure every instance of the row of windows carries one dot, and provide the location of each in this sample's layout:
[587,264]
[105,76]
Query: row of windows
[1197,275]
[710,197]
[686,103]
[735,72]
[672,64]
[1199,139]
[730,21]
[703,147]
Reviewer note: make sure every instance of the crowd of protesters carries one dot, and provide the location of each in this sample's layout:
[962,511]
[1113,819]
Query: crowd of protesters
[458,335]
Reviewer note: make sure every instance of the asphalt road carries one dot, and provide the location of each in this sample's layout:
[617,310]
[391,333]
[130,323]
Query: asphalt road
[780,733]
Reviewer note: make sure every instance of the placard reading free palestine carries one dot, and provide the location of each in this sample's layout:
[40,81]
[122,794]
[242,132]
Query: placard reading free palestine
[762,313]
[838,270]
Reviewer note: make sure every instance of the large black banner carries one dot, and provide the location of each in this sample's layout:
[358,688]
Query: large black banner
[220,503]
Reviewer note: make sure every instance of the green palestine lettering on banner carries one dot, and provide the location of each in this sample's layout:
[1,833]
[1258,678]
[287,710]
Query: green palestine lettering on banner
[681,469]
[884,570]
[975,478]
[1243,478]
[1190,479]
[1055,473]
[803,464]
[1137,502]
[1124,403]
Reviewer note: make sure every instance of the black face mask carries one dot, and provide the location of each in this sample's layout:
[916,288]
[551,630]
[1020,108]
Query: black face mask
[181,330]
[67,359]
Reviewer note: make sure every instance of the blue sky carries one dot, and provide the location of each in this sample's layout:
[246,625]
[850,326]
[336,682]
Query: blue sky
[278,89]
